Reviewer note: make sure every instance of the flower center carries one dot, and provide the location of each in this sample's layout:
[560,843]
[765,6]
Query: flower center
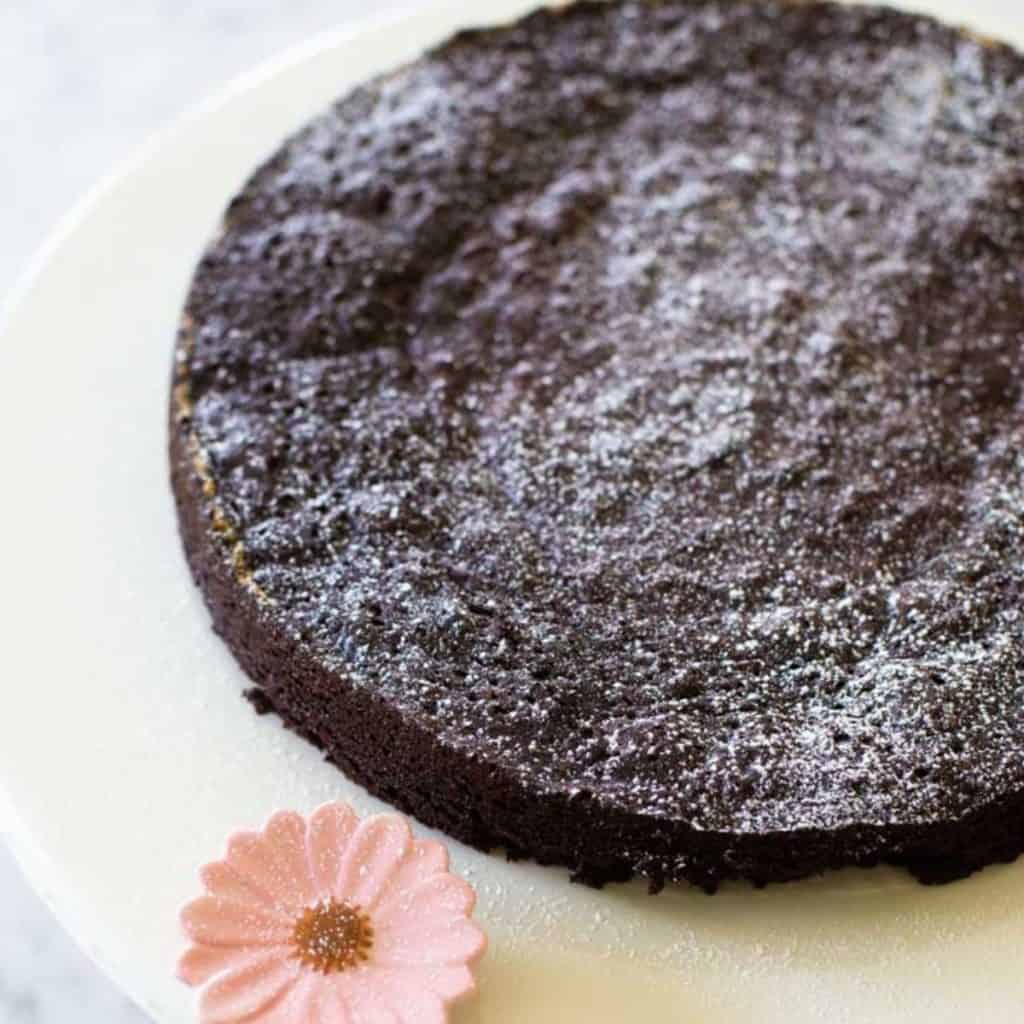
[332,937]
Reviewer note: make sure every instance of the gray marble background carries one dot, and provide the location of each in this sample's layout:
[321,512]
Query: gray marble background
[83,82]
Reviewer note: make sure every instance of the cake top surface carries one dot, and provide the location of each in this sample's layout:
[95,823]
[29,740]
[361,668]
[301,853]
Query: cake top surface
[633,396]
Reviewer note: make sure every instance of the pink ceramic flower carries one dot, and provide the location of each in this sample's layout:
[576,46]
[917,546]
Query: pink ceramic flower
[330,921]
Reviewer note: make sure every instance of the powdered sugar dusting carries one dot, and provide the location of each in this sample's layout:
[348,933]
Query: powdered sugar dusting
[655,439]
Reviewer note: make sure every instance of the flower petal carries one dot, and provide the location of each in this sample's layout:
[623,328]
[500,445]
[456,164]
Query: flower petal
[374,1015]
[412,1004]
[286,832]
[218,922]
[199,963]
[454,941]
[330,829]
[371,996]
[449,983]
[425,860]
[296,1006]
[275,860]
[221,879]
[435,899]
[247,991]
[331,1005]
[376,849]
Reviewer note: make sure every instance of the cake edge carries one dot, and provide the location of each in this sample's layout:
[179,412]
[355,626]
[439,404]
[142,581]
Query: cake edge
[487,806]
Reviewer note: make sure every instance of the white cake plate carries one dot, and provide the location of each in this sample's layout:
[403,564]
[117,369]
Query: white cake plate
[127,753]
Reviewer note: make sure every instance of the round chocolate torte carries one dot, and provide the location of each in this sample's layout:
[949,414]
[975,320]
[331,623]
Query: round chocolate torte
[604,438]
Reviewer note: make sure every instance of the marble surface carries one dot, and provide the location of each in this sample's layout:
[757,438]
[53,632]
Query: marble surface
[44,978]
[82,83]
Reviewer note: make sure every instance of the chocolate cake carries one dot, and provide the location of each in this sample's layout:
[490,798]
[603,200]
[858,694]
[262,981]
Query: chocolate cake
[604,438]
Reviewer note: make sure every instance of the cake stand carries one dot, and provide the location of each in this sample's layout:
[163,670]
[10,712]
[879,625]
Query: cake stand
[127,753]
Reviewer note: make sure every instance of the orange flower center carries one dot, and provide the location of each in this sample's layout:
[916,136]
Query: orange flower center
[332,937]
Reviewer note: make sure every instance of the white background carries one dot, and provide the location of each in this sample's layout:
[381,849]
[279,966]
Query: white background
[82,83]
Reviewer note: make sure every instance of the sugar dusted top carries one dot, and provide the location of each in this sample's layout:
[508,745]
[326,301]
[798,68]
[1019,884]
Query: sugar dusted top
[645,418]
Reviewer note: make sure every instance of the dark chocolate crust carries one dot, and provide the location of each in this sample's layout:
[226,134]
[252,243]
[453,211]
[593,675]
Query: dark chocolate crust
[603,438]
